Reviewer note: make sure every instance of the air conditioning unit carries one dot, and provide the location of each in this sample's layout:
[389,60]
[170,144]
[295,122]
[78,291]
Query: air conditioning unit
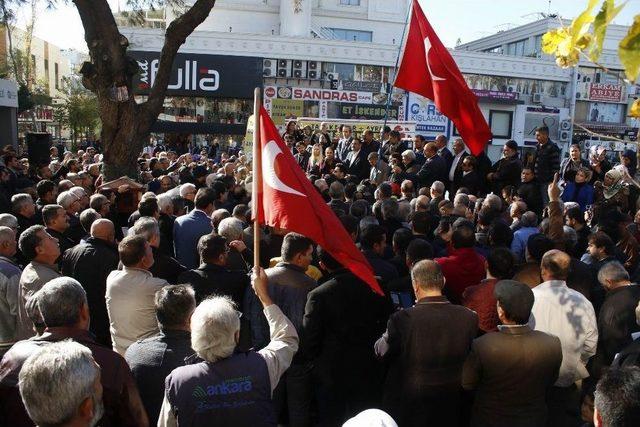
[299,69]
[284,68]
[511,88]
[313,70]
[578,95]
[565,135]
[333,76]
[537,98]
[565,125]
[269,67]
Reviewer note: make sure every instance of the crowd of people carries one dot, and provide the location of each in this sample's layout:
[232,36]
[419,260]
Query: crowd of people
[509,289]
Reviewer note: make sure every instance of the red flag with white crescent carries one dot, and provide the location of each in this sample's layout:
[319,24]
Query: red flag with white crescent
[287,199]
[428,69]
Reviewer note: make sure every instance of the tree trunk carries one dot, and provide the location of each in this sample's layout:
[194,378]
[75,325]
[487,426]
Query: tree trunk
[125,124]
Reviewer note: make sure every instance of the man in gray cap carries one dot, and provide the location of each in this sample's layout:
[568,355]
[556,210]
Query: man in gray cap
[512,369]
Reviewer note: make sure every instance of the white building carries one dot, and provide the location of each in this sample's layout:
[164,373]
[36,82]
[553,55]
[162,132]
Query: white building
[600,99]
[346,50]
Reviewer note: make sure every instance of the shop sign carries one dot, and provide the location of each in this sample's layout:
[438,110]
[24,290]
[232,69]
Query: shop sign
[283,110]
[366,111]
[358,86]
[495,94]
[605,92]
[201,75]
[318,94]
[429,121]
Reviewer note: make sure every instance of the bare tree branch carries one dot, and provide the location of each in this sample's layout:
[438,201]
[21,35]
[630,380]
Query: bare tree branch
[176,34]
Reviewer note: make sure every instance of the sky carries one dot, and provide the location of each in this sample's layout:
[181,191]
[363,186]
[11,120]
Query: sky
[452,19]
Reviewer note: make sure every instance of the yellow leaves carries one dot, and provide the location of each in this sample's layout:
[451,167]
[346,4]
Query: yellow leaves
[568,43]
[608,11]
[560,43]
[634,111]
[629,51]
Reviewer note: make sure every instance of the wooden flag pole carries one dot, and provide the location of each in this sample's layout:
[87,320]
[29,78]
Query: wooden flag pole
[257,174]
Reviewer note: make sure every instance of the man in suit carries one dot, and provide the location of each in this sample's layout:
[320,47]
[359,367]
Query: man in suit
[188,229]
[455,170]
[342,321]
[441,143]
[426,347]
[357,163]
[434,168]
[344,144]
[393,145]
[506,171]
[512,369]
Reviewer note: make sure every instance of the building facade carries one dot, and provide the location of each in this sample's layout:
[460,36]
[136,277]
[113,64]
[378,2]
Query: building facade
[333,60]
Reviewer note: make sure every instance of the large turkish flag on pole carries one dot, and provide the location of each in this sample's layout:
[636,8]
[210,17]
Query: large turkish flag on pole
[286,198]
[428,69]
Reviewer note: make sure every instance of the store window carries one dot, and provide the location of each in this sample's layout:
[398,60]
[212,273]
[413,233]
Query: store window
[350,2]
[500,123]
[206,110]
[497,49]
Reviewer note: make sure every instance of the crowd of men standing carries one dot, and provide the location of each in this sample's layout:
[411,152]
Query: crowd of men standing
[509,290]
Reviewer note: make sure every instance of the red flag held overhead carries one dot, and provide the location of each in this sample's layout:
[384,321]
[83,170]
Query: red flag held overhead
[428,69]
[287,199]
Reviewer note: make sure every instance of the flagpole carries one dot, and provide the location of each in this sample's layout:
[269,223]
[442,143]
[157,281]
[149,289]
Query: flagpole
[395,68]
[257,174]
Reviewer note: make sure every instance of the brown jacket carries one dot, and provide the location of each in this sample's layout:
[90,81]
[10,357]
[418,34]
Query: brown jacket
[122,404]
[511,371]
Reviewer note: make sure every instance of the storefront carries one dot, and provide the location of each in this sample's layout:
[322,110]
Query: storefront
[286,103]
[206,95]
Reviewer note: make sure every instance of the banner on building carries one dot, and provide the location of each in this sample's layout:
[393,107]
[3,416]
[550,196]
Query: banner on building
[429,121]
[605,112]
[201,75]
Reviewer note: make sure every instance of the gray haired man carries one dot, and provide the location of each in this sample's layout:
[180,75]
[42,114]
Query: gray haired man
[60,385]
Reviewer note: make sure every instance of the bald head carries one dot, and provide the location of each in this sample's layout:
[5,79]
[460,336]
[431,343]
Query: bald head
[103,229]
[427,275]
[555,265]
[430,150]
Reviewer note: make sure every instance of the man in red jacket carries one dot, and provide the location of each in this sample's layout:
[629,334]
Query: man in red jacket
[463,267]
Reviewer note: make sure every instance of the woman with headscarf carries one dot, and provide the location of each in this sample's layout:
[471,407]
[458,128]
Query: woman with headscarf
[579,190]
[611,193]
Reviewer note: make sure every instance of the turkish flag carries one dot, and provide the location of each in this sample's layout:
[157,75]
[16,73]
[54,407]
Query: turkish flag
[428,69]
[287,199]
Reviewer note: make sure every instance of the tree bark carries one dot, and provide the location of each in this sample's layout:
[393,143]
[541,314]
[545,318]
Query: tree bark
[126,124]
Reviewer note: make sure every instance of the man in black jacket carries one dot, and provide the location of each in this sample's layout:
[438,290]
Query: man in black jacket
[506,171]
[90,263]
[57,222]
[164,266]
[152,359]
[342,320]
[617,319]
[356,160]
[434,168]
[426,347]
[529,191]
[547,161]
[213,277]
